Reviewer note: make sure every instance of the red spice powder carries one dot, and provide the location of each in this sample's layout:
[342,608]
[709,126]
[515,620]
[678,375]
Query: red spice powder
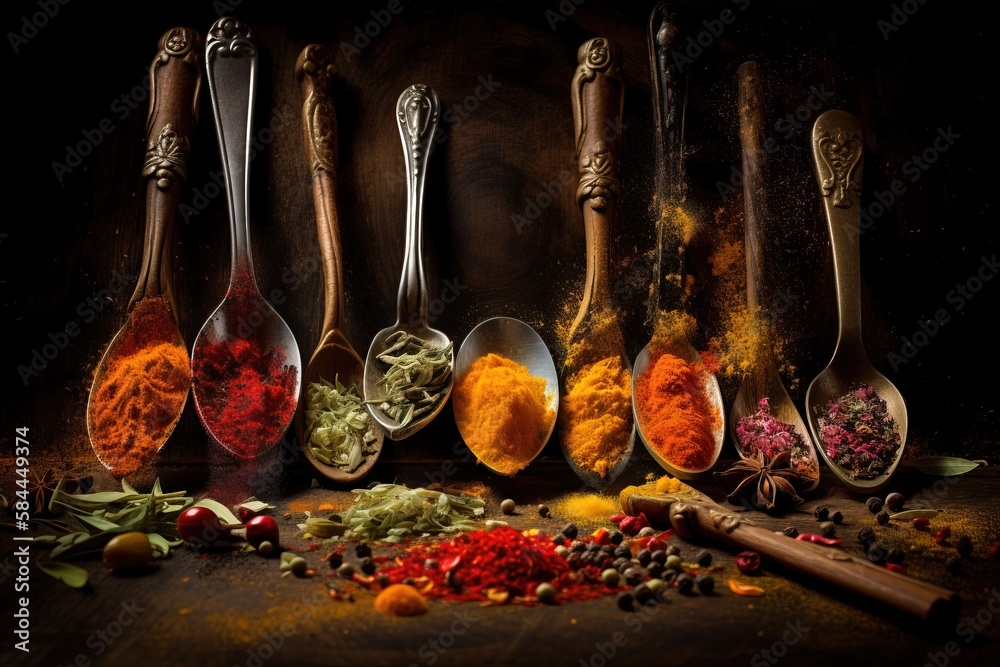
[501,560]
[246,395]
[676,416]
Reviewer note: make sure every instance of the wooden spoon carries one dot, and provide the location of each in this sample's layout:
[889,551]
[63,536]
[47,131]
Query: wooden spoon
[837,155]
[334,356]
[595,333]
[173,110]
[763,380]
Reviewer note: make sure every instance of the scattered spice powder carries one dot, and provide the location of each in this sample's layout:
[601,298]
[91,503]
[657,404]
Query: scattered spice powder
[581,507]
[858,432]
[760,434]
[677,418]
[134,408]
[246,394]
[596,415]
[502,412]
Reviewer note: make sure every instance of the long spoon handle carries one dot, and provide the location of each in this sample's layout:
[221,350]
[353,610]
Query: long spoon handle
[417,113]
[837,155]
[315,70]
[231,62]
[175,76]
[754,187]
[597,94]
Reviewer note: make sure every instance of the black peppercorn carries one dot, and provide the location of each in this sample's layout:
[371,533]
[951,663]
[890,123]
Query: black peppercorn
[336,559]
[558,539]
[954,565]
[644,556]
[573,560]
[569,530]
[382,579]
[368,566]
[827,528]
[894,502]
[895,555]
[685,584]
[659,556]
[877,552]
[668,575]
[874,504]
[882,517]
[616,538]
[623,552]
[409,581]
[964,546]
[363,550]
[790,531]
[821,513]
[866,535]
[704,558]
[642,594]
[622,565]
[543,511]
[673,550]
[837,517]
[635,576]
[625,601]
[706,584]
[578,546]
[655,570]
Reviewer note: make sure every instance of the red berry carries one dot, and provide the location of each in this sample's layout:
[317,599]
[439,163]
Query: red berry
[896,567]
[943,535]
[995,549]
[748,562]
[199,526]
[262,529]
[921,522]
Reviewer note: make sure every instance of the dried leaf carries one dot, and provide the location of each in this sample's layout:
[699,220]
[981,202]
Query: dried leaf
[746,590]
[221,511]
[944,466]
[914,514]
[71,575]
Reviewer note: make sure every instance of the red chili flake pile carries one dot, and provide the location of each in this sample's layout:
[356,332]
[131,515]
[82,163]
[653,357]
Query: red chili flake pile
[501,565]
[246,395]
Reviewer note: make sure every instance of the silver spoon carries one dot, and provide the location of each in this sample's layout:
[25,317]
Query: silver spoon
[511,338]
[665,34]
[837,156]
[231,63]
[763,380]
[417,113]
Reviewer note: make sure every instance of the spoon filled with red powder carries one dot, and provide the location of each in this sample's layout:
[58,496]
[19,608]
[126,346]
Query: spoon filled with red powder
[245,362]
[141,383]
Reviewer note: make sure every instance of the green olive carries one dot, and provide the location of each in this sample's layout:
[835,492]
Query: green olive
[128,550]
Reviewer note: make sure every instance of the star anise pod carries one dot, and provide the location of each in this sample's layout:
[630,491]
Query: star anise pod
[41,487]
[765,483]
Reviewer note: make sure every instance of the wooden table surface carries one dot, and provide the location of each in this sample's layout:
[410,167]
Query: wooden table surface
[71,247]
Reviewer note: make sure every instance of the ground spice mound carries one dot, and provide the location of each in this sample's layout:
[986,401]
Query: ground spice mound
[676,416]
[400,600]
[584,507]
[133,410]
[489,563]
[246,395]
[596,415]
[502,412]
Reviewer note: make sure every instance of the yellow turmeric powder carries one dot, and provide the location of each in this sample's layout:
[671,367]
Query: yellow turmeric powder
[596,415]
[502,412]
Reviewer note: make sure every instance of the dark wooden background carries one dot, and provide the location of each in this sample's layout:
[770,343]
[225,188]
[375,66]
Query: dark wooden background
[67,238]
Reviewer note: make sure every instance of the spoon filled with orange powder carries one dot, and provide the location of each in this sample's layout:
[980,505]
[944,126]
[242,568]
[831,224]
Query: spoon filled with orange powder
[141,383]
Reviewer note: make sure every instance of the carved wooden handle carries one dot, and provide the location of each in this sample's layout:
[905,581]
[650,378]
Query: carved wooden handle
[175,76]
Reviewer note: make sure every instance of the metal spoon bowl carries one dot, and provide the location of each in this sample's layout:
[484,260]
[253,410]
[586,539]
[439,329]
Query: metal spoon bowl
[517,341]
[231,63]
[417,113]
[837,156]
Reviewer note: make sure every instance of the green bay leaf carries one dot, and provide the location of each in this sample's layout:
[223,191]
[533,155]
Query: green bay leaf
[71,575]
[943,466]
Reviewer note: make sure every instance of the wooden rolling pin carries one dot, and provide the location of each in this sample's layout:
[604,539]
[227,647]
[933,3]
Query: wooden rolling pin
[694,515]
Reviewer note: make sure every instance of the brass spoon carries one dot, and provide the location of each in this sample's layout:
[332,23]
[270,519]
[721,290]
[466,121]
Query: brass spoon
[417,113]
[664,36]
[334,356]
[763,380]
[231,64]
[595,334]
[837,156]
[173,106]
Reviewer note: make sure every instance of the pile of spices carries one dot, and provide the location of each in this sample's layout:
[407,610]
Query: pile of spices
[391,512]
[246,394]
[142,391]
[499,565]
[596,415]
[415,375]
[760,434]
[582,507]
[341,433]
[858,433]
[677,418]
[502,412]
[400,600]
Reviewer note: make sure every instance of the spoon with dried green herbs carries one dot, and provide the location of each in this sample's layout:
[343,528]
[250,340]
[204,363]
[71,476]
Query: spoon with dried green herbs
[337,434]
[408,373]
